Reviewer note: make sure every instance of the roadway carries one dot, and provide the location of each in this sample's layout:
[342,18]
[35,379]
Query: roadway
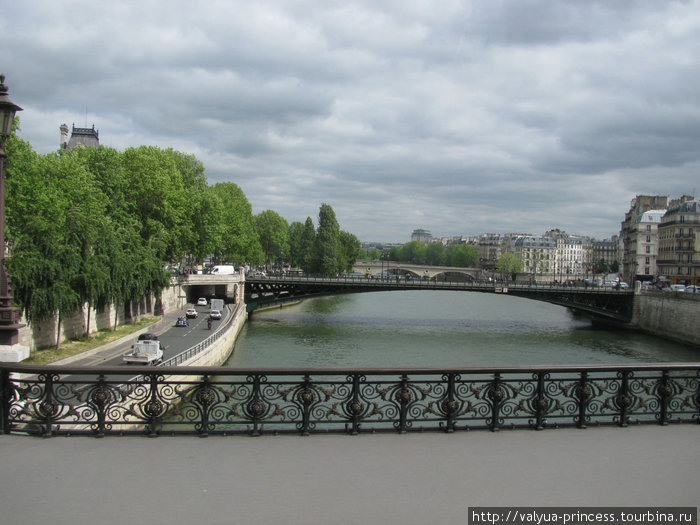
[174,340]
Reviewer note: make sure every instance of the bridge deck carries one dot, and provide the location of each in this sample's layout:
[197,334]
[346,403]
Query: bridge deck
[410,479]
[602,302]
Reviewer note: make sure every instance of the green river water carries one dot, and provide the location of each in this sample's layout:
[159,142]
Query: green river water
[439,329]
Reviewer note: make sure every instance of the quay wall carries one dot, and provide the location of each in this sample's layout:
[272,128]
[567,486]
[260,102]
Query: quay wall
[43,334]
[674,315]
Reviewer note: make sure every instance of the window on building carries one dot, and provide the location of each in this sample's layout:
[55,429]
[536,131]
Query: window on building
[647,249]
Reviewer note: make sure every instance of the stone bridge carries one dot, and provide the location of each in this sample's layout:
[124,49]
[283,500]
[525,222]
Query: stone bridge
[417,271]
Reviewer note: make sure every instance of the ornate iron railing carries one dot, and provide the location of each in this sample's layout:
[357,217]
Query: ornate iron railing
[52,400]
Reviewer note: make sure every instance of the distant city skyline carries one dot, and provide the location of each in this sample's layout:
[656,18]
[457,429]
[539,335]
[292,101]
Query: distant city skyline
[475,117]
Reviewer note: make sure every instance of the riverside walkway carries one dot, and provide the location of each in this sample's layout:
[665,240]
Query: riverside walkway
[336,479]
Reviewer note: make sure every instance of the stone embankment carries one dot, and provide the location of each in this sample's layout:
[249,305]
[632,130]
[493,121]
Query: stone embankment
[674,315]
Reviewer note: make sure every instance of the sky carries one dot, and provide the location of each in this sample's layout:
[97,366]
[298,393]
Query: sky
[455,116]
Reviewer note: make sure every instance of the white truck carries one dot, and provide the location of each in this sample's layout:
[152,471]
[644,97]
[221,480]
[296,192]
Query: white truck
[147,350]
[223,269]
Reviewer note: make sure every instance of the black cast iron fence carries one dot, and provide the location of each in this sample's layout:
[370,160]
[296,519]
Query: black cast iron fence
[52,400]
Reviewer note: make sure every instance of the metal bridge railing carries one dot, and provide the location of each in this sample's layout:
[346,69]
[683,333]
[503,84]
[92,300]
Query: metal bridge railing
[416,282]
[52,400]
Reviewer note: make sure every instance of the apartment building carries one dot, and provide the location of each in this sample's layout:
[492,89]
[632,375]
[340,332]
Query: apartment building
[605,254]
[679,241]
[643,239]
[537,255]
[632,267]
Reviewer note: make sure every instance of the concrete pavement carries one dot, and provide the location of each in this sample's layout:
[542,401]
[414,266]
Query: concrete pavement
[336,479]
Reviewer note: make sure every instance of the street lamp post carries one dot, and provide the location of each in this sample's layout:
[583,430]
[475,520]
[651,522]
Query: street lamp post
[10,349]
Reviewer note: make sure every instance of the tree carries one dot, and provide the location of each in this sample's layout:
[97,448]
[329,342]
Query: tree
[308,246]
[509,265]
[413,252]
[273,234]
[327,249]
[349,251]
[462,255]
[238,240]
[435,254]
[58,209]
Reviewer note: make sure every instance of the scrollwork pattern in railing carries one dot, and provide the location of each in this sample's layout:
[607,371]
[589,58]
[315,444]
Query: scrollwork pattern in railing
[208,400]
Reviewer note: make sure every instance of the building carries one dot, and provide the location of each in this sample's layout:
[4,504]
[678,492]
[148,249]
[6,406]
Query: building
[605,255]
[643,243]
[679,242]
[629,234]
[79,137]
[537,255]
[421,236]
[574,256]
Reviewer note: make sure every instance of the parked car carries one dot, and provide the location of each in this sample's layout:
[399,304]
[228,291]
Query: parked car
[678,287]
[191,313]
[692,289]
[202,301]
[623,285]
[215,314]
[182,321]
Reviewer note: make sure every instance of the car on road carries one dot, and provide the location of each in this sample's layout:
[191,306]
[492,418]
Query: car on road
[191,313]
[215,314]
[147,350]
[182,321]
[678,287]
[692,289]
[202,301]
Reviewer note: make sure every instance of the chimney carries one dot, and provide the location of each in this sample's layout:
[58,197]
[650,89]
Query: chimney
[64,136]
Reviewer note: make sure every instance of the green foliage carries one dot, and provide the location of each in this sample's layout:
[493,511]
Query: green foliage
[349,251]
[238,240]
[509,265]
[370,255]
[435,254]
[462,255]
[273,234]
[327,249]
[96,226]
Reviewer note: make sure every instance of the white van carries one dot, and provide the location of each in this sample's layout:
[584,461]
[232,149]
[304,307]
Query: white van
[223,269]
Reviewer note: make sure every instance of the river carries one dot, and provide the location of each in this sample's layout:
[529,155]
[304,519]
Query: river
[439,329]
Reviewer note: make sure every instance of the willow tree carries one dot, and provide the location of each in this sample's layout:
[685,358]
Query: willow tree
[56,214]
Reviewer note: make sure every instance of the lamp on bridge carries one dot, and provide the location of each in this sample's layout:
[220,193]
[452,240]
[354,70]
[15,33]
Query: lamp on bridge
[10,349]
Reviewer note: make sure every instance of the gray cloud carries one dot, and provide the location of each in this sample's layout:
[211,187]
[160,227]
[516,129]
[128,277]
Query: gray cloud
[478,116]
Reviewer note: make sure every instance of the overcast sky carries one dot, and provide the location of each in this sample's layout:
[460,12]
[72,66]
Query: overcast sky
[459,117]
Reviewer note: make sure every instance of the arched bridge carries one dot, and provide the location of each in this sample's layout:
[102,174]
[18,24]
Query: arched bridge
[616,305]
[416,271]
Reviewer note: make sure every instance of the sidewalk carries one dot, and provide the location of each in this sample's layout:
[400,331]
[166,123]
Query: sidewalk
[384,479]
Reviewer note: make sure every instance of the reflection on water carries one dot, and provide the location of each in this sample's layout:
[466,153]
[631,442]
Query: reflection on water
[438,329]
